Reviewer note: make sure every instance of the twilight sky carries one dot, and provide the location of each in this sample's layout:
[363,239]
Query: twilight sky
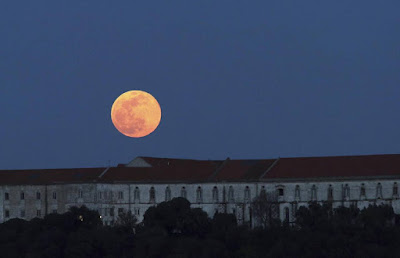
[238,79]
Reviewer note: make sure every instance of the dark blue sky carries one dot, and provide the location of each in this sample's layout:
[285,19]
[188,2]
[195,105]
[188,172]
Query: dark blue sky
[244,79]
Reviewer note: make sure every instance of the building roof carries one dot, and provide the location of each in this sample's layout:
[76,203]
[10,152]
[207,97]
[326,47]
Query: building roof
[150,169]
[337,166]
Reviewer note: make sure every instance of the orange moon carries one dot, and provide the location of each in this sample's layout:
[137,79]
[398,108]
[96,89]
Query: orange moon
[136,113]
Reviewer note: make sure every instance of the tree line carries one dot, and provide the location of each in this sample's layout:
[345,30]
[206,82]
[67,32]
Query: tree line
[174,229]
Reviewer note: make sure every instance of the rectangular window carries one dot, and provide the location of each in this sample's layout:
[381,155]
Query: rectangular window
[38,195]
[100,195]
[38,213]
[80,194]
[106,212]
[137,211]
[6,196]
[105,195]
[22,196]
[22,213]
[111,211]
[280,192]
[7,213]
[54,195]
[120,195]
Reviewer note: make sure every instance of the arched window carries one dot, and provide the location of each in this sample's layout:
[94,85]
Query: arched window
[263,192]
[362,190]
[287,214]
[136,195]
[152,194]
[183,192]
[346,192]
[167,194]
[247,196]
[215,194]
[330,193]
[313,193]
[395,189]
[199,195]
[379,191]
[297,193]
[231,196]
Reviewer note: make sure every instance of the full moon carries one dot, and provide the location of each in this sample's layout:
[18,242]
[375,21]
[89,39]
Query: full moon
[136,113]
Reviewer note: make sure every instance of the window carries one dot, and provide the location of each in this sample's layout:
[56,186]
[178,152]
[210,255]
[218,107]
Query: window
[6,196]
[7,213]
[22,213]
[247,196]
[297,193]
[263,192]
[105,195]
[313,193]
[152,194]
[167,194]
[183,192]
[54,195]
[80,194]
[287,214]
[362,190]
[379,191]
[106,211]
[100,195]
[215,194]
[120,195]
[38,195]
[137,211]
[136,195]
[38,213]
[395,189]
[22,196]
[120,210]
[231,194]
[346,192]
[199,195]
[111,211]
[280,192]
[330,193]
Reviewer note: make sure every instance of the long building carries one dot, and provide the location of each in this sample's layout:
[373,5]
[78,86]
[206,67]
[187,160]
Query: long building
[213,185]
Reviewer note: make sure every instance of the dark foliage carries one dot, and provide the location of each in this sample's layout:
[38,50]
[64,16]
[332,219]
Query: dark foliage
[173,229]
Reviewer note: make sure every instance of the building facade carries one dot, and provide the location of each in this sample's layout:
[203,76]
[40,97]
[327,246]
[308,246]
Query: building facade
[223,186]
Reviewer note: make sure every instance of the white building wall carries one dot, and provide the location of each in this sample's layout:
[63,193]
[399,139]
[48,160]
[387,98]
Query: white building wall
[106,197]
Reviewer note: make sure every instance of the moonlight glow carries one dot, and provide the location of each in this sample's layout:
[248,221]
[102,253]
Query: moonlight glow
[136,113]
